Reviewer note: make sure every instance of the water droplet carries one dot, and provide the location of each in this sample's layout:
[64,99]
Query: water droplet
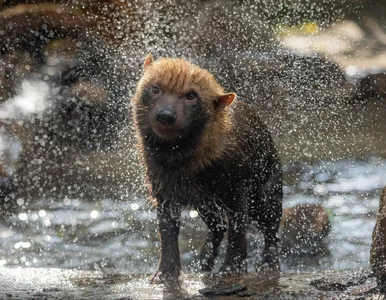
[135,206]
[193,214]
[94,214]
[23,217]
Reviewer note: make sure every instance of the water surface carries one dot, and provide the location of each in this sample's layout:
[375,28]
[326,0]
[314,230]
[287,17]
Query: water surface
[121,236]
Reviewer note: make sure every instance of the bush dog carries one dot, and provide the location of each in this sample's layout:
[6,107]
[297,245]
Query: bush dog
[200,151]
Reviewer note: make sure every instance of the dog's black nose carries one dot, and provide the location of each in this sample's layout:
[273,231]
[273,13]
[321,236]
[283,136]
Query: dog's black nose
[166,117]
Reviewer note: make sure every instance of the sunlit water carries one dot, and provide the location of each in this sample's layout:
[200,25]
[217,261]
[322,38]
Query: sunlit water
[121,236]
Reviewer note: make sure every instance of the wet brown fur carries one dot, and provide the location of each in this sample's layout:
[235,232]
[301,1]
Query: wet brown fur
[178,76]
[223,163]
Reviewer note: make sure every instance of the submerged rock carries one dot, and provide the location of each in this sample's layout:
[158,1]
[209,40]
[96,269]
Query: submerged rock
[304,229]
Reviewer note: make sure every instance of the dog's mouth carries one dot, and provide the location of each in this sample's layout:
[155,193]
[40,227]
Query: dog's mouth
[168,132]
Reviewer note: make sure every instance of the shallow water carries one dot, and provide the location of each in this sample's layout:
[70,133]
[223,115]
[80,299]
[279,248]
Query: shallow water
[121,236]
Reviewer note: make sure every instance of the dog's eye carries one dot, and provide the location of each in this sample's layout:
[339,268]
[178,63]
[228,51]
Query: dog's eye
[191,96]
[155,90]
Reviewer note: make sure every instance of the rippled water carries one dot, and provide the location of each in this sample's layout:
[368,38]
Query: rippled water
[121,236]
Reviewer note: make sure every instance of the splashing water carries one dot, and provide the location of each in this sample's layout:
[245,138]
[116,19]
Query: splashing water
[80,202]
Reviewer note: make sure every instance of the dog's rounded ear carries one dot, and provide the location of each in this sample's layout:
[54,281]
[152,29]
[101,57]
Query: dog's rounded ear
[225,100]
[148,61]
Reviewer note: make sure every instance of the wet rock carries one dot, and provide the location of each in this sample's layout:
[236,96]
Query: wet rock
[341,282]
[378,246]
[223,289]
[304,229]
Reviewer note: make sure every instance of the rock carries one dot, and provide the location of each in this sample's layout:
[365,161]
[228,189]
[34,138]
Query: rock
[304,228]
[223,290]
[341,282]
[378,245]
